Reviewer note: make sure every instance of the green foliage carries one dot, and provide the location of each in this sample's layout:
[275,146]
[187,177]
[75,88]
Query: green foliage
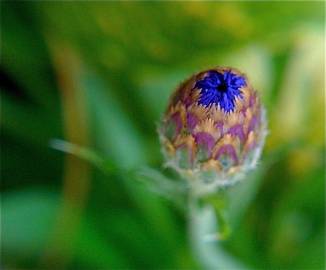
[98,75]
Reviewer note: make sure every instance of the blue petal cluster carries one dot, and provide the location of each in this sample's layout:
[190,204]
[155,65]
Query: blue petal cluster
[220,88]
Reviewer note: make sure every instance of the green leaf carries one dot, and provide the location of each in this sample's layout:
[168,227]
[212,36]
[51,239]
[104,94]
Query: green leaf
[112,130]
[28,219]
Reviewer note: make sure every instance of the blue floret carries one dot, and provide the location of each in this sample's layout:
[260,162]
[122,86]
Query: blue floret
[220,89]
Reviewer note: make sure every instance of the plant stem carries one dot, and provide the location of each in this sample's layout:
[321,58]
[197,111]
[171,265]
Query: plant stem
[203,222]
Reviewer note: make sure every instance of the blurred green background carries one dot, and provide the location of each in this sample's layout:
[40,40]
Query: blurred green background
[99,74]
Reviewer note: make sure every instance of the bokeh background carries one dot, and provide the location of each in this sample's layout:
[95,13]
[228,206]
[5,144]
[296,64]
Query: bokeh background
[99,74]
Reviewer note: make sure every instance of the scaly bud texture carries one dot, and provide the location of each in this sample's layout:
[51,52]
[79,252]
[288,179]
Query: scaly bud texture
[214,127]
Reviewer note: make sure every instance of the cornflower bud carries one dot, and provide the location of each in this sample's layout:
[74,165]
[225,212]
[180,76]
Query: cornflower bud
[214,128]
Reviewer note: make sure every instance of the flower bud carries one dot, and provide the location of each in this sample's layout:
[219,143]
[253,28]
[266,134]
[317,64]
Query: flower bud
[214,127]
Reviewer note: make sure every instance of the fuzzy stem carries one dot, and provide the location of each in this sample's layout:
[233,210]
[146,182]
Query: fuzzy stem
[203,220]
